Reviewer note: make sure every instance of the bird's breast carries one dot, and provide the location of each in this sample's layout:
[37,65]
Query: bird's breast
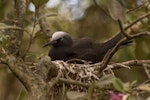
[58,53]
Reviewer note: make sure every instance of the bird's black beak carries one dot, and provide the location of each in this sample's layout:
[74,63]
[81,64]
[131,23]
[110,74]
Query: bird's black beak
[49,43]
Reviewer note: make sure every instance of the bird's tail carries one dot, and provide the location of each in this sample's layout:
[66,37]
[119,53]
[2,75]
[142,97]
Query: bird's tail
[109,44]
[113,41]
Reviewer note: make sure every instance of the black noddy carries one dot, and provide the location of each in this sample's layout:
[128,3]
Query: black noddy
[63,47]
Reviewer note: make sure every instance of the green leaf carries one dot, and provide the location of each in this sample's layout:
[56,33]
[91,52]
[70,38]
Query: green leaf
[102,4]
[3,39]
[131,98]
[141,46]
[5,26]
[115,9]
[73,95]
[118,85]
[105,80]
[91,88]
[31,55]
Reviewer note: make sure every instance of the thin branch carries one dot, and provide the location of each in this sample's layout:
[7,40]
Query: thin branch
[20,71]
[95,3]
[109,55]
[73,82]
[3,61]
[42,20]
[19,95]
[31,37]
[147,7]
[13,27]
[16,35]
[122,29]
[128,63]
[147,72]
[137,20]
[131,10]
[140,34]
[83,84]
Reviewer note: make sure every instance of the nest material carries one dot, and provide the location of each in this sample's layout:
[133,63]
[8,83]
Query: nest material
[85,73]
[79,72]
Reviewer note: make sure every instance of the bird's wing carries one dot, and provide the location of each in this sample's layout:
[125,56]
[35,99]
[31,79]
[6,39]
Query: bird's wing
[109,44]
[85,42]
[85,54]
[82,46]
[83,49]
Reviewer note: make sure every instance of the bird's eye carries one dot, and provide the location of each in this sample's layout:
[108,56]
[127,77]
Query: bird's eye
[60,39]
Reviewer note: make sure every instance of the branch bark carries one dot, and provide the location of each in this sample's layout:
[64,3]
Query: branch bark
[16,35]
[35,83]
[40,12]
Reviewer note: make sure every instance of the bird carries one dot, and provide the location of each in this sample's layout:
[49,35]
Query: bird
[63,47]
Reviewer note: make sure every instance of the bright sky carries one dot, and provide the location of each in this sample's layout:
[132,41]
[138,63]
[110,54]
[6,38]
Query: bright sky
[69,9]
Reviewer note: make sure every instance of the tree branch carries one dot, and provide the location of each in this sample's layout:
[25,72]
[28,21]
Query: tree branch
[20,70]
[137,20]
[31,37]
[42,20]
[109,54]
[16,35]
[122,29]
[35,83]
[128,63]
[131,10]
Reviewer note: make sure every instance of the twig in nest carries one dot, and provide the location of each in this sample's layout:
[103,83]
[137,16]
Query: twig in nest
[73,82]
[78,61]
[3,61]
[129,63]
[78,82]
[147,70]
[91,69]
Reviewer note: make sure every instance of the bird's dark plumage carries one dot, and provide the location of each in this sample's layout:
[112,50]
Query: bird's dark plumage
[64,48]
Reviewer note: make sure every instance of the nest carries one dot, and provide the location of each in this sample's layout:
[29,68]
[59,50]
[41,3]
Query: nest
[79,77]
[79,72]
[84,73]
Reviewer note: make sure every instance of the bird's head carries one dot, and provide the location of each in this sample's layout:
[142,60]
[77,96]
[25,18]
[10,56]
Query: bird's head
[60,39]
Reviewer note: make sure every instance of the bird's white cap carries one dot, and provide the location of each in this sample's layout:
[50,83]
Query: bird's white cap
[58,35]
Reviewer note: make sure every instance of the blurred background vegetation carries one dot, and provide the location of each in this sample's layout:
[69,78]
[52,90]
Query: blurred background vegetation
[80,18]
